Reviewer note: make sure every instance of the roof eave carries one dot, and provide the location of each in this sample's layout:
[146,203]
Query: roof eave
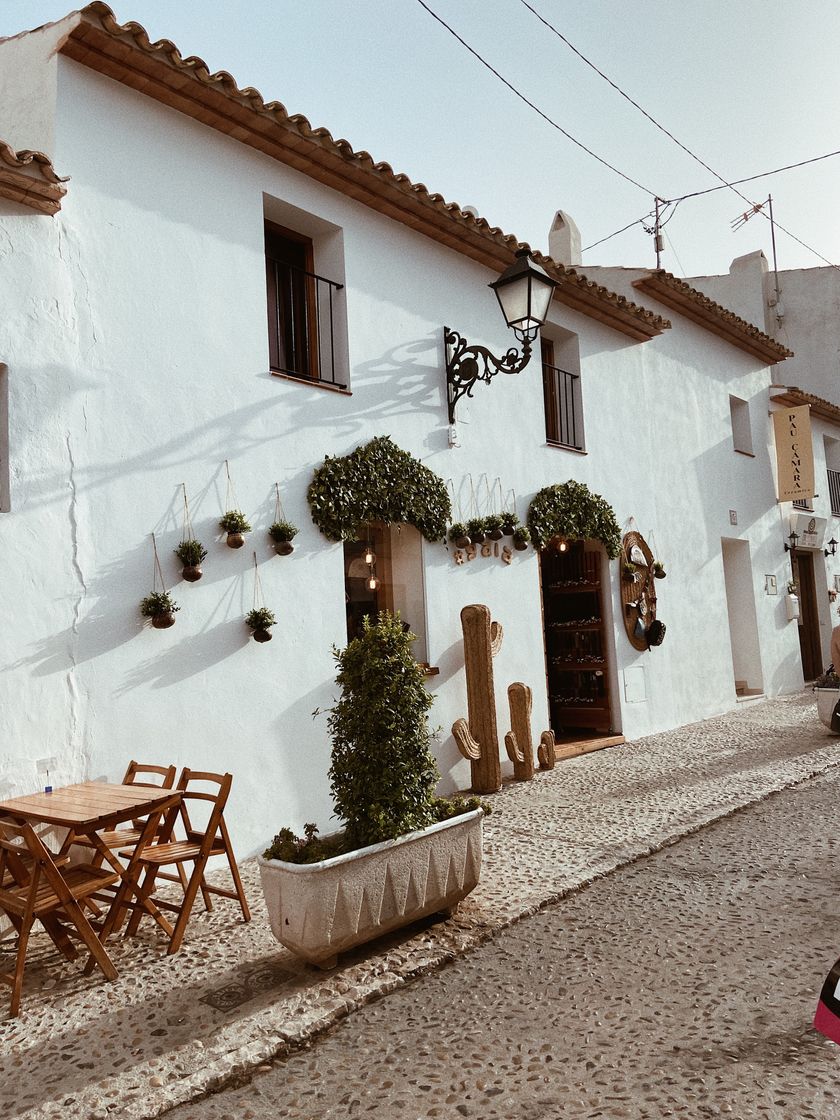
[29,178]
[126,54]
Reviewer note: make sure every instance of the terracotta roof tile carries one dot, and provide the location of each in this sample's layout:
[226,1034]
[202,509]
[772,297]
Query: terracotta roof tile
[125,53]
[30,178]
[680,296]
[792,396]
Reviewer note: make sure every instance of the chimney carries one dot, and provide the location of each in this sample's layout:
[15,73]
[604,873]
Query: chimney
[564,240]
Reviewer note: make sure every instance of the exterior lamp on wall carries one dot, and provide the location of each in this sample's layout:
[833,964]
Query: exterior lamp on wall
[793,537]
[832,547]
[524,292]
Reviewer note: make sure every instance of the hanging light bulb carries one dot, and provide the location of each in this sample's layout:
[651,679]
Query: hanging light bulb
[373,582]
[562,546]
[370,555]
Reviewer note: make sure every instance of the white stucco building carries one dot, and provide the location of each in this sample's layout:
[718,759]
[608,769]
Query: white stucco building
[136,360]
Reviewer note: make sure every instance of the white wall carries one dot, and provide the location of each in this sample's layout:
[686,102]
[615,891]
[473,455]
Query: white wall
[138,360]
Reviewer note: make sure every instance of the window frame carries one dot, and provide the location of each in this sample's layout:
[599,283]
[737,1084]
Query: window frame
[553,406]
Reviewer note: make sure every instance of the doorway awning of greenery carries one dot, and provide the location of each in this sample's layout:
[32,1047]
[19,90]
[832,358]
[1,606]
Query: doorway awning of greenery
[570,510]
[377,482]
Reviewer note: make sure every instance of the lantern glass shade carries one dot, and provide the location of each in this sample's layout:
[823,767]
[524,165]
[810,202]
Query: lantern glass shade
[524,293]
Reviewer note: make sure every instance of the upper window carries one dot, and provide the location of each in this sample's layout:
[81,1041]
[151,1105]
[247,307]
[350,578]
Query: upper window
[832,466]
[739,411]
[302,310]
[561,392]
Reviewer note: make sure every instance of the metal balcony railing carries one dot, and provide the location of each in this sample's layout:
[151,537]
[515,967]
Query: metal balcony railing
[563,422]
[302,324]
[834,491]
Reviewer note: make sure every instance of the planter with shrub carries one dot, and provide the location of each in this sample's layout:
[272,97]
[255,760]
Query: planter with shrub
[459,536]
[235,524]
[521,538]
[403,853]
[283,533]
[260,619]
[191,553]
[160,607]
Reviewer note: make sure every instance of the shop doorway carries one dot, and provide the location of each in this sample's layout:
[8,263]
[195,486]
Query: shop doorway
[810,643]
[577,647]
[743,620]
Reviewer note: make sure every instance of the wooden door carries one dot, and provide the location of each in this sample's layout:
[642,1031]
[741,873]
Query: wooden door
[576,642]
[802,564]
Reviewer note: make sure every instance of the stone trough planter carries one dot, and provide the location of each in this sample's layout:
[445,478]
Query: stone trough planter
[826,699]
[320,909]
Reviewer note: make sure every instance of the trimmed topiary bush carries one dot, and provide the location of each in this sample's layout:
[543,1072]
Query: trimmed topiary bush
[377,482]
[572,511]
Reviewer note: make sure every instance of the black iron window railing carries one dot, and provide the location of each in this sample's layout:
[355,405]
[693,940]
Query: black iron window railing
[302,324]
[834,491]
[563,422]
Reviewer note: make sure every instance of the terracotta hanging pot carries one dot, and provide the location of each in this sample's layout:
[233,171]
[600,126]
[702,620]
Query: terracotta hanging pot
[495,534]
[263,635]
[235,540]
[192,573]
[163,621]
[520,546]
[284,548]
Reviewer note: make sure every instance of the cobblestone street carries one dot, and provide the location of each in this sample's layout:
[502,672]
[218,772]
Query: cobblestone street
[681,985]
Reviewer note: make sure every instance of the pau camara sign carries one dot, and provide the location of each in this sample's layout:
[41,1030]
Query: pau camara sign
[794,453]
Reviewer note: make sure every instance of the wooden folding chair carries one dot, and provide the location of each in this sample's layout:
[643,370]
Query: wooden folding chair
[198,847]
[35,888]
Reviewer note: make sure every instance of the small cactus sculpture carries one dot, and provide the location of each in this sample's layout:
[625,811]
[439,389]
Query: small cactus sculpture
[478,738]
[518,743]
[545,751]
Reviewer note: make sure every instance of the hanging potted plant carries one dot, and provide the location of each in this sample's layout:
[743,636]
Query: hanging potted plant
[399,842]
[260,619]
[509,524]
[282,533]
[628,572]
[659,570]
[476,529]
[235,524]
[521,538]
[493,524]
[160,607]
[191,553]
[459,536]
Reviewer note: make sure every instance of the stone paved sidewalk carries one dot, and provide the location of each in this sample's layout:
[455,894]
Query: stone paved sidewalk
[170,1029]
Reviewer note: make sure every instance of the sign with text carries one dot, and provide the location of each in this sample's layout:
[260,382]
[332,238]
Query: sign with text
[794,453]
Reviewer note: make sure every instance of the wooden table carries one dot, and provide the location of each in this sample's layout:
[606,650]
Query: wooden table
[85,810]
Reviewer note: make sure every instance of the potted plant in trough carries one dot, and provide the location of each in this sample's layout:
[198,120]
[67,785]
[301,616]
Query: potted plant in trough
[827,688]
[160,607]
[403,853]
[521,538]
[191,553]
[476,528]
[283,533]
[260,619]
[235,524]
[459,536]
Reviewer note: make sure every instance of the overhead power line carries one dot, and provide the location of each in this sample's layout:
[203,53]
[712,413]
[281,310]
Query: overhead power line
[531,104]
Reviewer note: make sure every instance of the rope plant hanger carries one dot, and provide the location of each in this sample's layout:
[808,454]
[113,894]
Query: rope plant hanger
[234,522]
[190,551]
[282,531]
[260,618]
[159,606]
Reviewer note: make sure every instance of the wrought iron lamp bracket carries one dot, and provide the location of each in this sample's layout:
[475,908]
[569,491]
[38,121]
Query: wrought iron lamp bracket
[466,364]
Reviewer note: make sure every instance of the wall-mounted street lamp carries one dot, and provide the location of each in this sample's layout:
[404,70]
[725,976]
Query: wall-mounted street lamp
[524,293]
[832,547]
[793,537]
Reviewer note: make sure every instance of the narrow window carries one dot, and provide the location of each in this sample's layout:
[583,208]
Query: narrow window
[739,411]
[384,571]
[561,394]
[301,309]
[832,468]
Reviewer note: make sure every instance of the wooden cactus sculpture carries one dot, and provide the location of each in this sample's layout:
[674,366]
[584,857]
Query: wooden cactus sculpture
[518,743]
[545,751]
[477,738]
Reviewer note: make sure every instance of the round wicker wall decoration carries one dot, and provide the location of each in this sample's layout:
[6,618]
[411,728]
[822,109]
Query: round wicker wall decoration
[638,596]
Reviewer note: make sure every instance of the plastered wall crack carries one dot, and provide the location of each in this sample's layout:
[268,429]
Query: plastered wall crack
[75,738]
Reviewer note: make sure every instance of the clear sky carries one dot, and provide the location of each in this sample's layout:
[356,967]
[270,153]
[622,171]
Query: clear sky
[747,85]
